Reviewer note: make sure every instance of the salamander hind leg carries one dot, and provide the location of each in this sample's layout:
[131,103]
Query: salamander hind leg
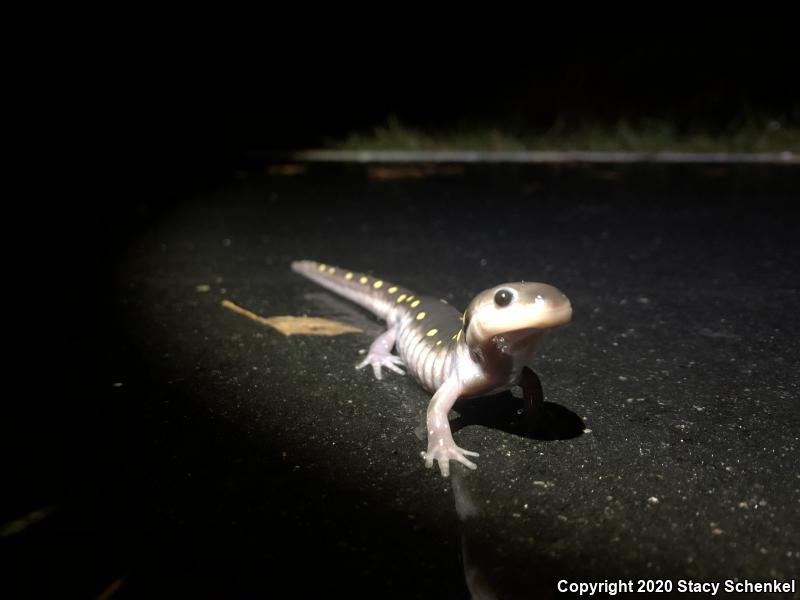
[380,354]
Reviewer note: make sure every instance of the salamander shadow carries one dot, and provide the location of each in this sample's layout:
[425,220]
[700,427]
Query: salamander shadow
[506,413]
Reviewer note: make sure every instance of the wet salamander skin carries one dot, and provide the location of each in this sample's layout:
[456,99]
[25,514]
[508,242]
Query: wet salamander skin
[452,355]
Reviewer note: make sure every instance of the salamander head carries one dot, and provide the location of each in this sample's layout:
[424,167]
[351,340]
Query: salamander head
[513,316]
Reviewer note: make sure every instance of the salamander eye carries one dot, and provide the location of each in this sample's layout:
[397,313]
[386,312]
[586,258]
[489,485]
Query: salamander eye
[503,297]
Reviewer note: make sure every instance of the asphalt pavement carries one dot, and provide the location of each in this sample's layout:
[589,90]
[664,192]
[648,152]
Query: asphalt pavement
[215,455]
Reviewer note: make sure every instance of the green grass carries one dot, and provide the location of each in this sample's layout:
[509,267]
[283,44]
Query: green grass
[755,135]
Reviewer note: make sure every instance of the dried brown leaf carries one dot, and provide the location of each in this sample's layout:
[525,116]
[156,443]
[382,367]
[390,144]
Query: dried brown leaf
[289,325]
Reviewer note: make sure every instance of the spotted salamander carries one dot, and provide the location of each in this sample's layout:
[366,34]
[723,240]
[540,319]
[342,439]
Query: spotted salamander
[482,351]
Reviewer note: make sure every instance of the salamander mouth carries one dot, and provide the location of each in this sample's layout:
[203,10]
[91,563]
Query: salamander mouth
[556,316]
[515,335]
[542,320]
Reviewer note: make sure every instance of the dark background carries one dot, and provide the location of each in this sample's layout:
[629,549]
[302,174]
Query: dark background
[191,126]
[165,133]
[176,126]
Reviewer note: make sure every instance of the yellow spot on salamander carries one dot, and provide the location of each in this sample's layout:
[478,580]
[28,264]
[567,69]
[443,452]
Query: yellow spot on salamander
[401,297]
[377,284]
[415,304]
[331,270]
[322,267]
[348,276]
[438,342]
[442,300]
[432,332]
[462,317]
[364,280]
[421,315]
[458,335]
[409,299]
[392,289]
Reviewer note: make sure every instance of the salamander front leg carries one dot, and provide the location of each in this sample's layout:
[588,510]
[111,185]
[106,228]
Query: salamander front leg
[441,446]
[533,400]
[380,354]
